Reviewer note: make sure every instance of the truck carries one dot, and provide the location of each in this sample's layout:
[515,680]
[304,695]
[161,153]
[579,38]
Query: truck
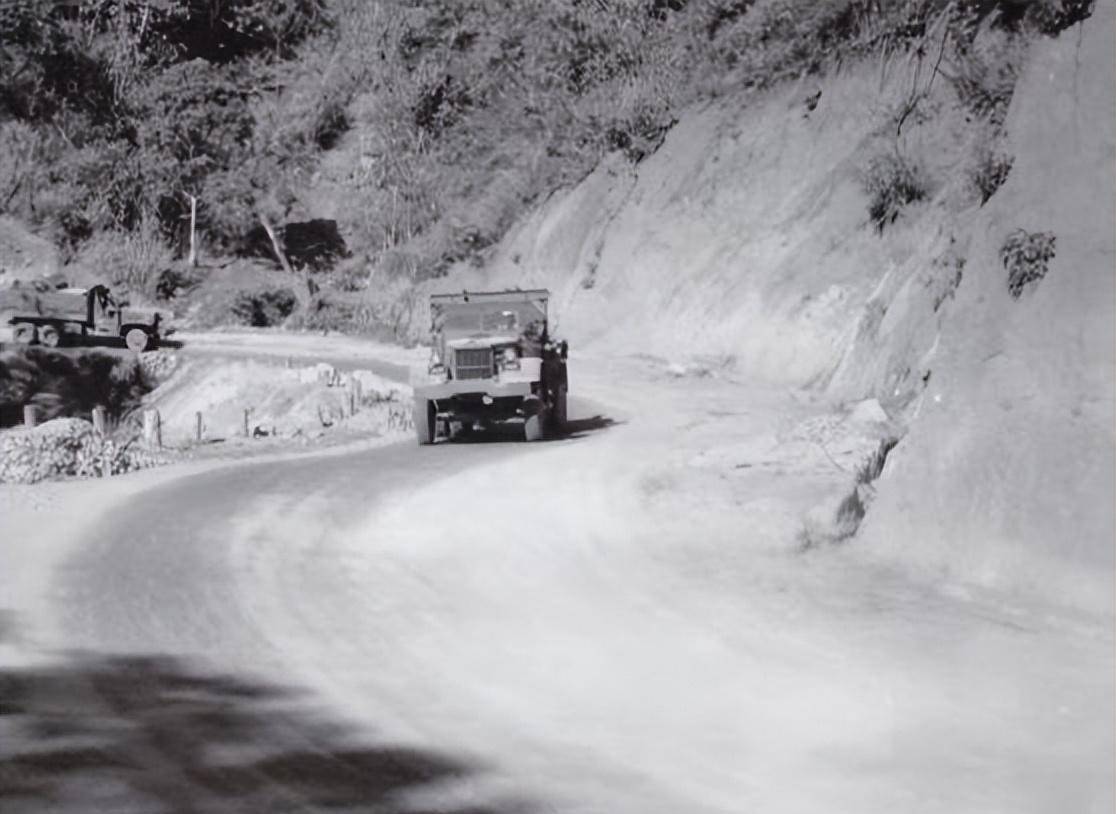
[55,317]
[492,360]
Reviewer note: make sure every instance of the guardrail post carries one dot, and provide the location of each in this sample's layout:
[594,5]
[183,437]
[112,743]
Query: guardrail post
[356,390]
[99,421]
[152,428]
[198,426]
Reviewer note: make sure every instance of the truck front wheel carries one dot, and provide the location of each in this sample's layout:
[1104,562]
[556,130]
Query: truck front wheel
[137,340]
[24,334]
[534,427]
[426,421]
[50,336]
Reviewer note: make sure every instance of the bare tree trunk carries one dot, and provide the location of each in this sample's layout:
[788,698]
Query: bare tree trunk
[193,258]
[282,258]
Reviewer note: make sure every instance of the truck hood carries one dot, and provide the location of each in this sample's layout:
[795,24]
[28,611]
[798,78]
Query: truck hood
[145,316]
[477,342]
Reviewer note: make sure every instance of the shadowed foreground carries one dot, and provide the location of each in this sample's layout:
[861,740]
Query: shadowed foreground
[148,735]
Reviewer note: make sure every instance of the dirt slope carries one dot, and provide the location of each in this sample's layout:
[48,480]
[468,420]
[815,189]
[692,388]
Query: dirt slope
[745,242]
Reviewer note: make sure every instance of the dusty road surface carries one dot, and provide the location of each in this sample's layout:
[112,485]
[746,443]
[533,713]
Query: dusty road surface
[606,622]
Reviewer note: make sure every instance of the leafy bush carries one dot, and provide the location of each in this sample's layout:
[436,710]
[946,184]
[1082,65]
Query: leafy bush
[990,171]
[892,182]
[1026,256]
[327,313]
[984,74]
[264,308]
[314,244]
[1053,16]
[136,259]
[175,282]
[68,385]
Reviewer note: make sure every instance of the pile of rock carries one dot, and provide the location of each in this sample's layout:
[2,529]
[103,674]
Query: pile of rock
[68,447]
[158,365]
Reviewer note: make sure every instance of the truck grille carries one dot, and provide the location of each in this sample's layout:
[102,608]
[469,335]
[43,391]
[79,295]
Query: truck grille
[473,363]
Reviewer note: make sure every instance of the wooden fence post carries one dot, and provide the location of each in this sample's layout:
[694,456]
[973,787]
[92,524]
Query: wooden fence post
[198,426]
[152,428]
[30,415]
[246,422]
[356,392]
[99,421]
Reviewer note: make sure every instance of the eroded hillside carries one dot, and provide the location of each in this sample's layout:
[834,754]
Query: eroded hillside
[977,307]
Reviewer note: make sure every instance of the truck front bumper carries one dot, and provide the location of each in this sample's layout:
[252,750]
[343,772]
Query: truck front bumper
[473,389]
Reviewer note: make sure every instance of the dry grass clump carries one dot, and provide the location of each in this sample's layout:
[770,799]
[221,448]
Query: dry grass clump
[1026,256]
[892,182]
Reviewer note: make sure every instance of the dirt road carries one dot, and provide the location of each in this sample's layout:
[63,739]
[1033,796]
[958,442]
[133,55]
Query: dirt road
[601,623]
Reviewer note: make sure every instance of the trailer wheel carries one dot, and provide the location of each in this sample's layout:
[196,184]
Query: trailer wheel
[137,340]
[24,334]
[50,336]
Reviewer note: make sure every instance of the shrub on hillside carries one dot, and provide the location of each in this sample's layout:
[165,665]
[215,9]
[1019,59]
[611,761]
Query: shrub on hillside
[128,260]
[990,171]
[892,182]
[1026,256]
[65,385]
[174,282]
[263,308]
[984,74]
[1053,16]
[329,312]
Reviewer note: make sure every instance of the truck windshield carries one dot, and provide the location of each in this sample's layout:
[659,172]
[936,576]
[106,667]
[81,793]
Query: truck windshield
[490,319]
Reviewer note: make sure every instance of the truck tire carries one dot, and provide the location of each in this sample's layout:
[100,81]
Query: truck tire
[50,336]
[426,421]
[23,334]
[137,340]
[534,428]
[558,414]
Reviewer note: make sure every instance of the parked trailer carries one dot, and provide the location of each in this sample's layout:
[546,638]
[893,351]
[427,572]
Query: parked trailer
[55,317]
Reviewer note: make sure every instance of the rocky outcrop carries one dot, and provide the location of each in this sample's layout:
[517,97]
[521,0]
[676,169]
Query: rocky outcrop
[67,447]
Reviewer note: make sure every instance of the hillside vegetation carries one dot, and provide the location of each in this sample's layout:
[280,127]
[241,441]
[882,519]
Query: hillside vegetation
[424,129]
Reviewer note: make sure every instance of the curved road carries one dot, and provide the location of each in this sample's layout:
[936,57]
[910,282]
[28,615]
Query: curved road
[506,606]
[250,571]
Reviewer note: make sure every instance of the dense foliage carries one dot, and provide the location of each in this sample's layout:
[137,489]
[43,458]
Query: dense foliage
[438,121]
[64,384]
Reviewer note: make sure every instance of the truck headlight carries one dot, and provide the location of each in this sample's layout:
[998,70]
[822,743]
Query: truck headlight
[509,359]
[438,372]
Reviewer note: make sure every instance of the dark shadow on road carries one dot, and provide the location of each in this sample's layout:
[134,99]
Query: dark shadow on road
[512,431]
[147,734]
[579,427]
[79,344]
[117,342]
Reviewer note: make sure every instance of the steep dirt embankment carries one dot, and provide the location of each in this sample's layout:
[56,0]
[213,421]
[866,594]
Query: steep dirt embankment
[746,241]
